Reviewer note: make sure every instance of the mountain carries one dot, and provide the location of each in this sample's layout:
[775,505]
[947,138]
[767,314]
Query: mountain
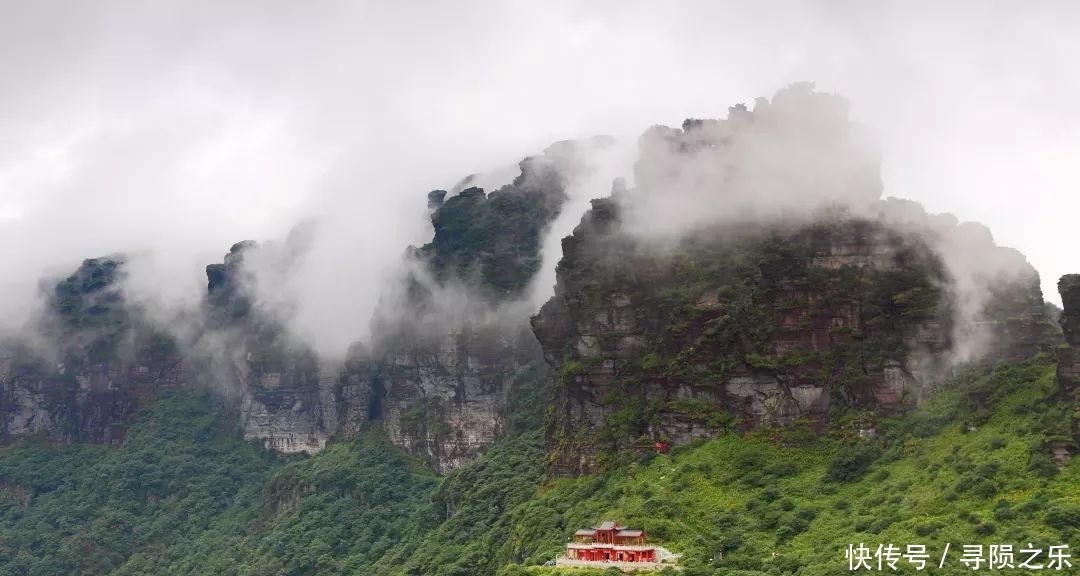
[760,316]
[451,348]
[95,362]
[749,353]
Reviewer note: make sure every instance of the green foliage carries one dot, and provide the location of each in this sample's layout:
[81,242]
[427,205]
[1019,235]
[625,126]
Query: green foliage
[88,297]
[852,463]
[182,496]
[722,304]
[757,500]
[464,528]
[528,396]
[91,508]
[495,238]
[88,310]
[1064,516]
[571,367]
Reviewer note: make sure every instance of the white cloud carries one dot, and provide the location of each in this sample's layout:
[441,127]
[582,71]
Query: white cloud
[180,127]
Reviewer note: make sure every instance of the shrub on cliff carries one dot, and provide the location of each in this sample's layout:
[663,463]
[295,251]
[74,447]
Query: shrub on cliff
[852,463]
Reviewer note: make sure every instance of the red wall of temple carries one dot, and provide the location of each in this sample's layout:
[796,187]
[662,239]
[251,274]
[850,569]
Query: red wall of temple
[599,555]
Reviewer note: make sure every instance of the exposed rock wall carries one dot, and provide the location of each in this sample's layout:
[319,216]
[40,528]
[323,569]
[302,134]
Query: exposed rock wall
[92,365]
[284,406]
[444,397]
[746,330]
[284,396]
[451,340]
[753,277]
[446,343]
[701,300]
[451,345]
[91,403]
[96,359]
[732,330]
[1069,353]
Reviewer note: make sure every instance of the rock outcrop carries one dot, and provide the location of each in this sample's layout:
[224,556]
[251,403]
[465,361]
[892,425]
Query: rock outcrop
[451,355]
[92,363]
[444,396]
[733,329]
[1069,353]
[751,277]
[451,345]
[284,396]
[738,285]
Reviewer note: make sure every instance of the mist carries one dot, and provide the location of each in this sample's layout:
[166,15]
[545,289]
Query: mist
[173,130]
[788,157]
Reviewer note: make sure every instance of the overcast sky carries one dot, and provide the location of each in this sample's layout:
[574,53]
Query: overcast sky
[176,128]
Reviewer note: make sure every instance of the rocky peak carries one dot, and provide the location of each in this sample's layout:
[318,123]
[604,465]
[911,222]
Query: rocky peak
[283,395]
[86,313]
[452,348]
[436,199]
[491,242]
[753,278]
[733,329]
[785,158]
[225,287]
[94,362]
[1069,288]
[1069,352]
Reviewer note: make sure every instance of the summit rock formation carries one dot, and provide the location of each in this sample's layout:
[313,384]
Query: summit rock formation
[750,277]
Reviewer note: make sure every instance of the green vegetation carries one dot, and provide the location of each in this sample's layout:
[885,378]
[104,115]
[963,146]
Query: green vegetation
[732,303]
[88,509]
[968,468]
[88,308]
[182,496]
[88,297]
[495,238]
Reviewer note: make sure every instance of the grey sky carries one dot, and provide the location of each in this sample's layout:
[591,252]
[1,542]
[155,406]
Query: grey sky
[179,127]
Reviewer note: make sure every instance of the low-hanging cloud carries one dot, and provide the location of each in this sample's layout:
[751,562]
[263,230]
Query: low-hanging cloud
[797,158]
[792,155]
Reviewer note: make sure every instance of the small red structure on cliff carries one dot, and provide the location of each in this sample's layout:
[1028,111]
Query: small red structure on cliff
[610,542]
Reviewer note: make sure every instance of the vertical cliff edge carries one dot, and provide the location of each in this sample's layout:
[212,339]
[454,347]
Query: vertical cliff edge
[751,277]
[754,278]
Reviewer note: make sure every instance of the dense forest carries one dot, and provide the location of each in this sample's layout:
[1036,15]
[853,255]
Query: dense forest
[186,495]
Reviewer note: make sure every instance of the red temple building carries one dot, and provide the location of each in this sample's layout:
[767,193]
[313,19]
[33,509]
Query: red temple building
[610,542]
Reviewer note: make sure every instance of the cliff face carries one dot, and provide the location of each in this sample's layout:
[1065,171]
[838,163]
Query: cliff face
[750,329]
[451,353]
[1069,353]
[96,362]
[444,396]
[100,359]
[448,341]
[751,278]
[282,395]
[730,289]
[450,357]
[732,329]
